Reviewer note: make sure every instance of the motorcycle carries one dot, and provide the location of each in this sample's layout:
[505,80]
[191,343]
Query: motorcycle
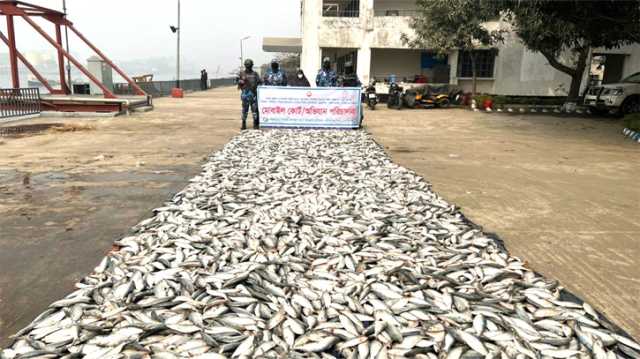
[395,96]
[371,96]
[434,101]
[425,98]
[456,96]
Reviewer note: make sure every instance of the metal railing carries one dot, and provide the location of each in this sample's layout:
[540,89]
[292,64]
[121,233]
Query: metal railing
[19,102]
[163,88]
[341,8]
[396,12]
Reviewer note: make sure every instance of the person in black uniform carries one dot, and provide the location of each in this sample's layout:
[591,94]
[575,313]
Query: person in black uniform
[350,78]
[204,80]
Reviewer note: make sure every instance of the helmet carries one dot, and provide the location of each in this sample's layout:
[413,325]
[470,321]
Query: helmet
[326,63]
[248,63]
[275,64]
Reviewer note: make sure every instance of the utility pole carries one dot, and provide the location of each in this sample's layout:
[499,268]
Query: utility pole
[178,51]
[66,35]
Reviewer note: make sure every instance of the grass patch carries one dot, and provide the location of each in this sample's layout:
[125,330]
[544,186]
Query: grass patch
[632,121]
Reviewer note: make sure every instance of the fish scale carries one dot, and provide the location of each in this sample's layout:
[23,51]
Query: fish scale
[314,244]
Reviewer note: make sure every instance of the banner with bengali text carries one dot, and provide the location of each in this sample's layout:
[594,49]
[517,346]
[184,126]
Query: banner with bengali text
[322,107]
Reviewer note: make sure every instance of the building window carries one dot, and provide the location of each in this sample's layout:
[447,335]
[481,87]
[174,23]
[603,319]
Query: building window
[395,12]
[341,8]
[485,61]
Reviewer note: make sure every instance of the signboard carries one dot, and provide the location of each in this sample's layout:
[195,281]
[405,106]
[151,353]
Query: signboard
[322,107]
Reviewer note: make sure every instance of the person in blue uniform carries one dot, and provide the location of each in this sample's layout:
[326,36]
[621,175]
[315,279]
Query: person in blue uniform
[326,76]
[275,76]
[248,82]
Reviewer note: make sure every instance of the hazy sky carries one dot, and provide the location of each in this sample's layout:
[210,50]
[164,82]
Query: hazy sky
[138,29]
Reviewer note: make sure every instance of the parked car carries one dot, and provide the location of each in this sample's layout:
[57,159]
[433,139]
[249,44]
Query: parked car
[619,98]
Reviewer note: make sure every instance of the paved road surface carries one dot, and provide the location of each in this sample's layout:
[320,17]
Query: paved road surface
[564,193]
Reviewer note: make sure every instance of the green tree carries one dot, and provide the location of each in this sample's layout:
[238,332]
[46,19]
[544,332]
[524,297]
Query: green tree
[565,31]
[449,25]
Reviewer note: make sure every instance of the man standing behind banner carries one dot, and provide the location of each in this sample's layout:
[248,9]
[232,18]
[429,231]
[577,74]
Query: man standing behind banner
[248,82]
[326,76]
[275,76]
[350,78]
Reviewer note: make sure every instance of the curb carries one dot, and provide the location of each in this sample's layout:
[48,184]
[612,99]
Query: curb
[541,109]
[633,135]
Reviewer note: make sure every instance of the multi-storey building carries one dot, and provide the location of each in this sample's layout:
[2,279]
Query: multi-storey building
[369,34]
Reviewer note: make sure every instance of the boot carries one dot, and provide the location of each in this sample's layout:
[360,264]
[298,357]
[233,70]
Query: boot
[244,124]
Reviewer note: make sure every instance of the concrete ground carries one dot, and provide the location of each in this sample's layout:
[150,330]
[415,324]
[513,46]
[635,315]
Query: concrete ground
[88,188]
[562,192]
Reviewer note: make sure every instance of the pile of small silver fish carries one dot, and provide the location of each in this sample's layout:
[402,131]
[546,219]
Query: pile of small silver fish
[314,244]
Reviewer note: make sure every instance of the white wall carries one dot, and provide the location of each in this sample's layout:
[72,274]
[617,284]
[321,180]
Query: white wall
[517,71]
[388,30]
[402,63]
[340,32]
[310,58]
[482,86]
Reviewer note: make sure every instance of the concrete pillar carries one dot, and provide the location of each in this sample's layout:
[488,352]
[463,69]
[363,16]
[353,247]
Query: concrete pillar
[102,71]
[364,64]
[311,57]
[367,19]
[453,64]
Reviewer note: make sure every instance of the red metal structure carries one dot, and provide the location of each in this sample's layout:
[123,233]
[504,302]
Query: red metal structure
[11,9]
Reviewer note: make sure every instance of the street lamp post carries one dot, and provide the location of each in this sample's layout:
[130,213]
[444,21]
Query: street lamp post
[242,50]
[178,50]
[176,30]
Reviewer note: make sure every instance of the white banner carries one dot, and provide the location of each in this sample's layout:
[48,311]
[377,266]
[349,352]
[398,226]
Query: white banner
[322,107]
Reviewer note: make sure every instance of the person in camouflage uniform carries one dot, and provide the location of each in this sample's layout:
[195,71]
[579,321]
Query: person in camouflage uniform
[275,76]
[326,76]
[248,82]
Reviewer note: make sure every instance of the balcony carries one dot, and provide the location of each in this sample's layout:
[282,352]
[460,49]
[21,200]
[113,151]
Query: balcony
[341,8]
[395,8]
[395,13]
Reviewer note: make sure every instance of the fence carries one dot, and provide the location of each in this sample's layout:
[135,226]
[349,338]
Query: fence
[163,88]
[19,102]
